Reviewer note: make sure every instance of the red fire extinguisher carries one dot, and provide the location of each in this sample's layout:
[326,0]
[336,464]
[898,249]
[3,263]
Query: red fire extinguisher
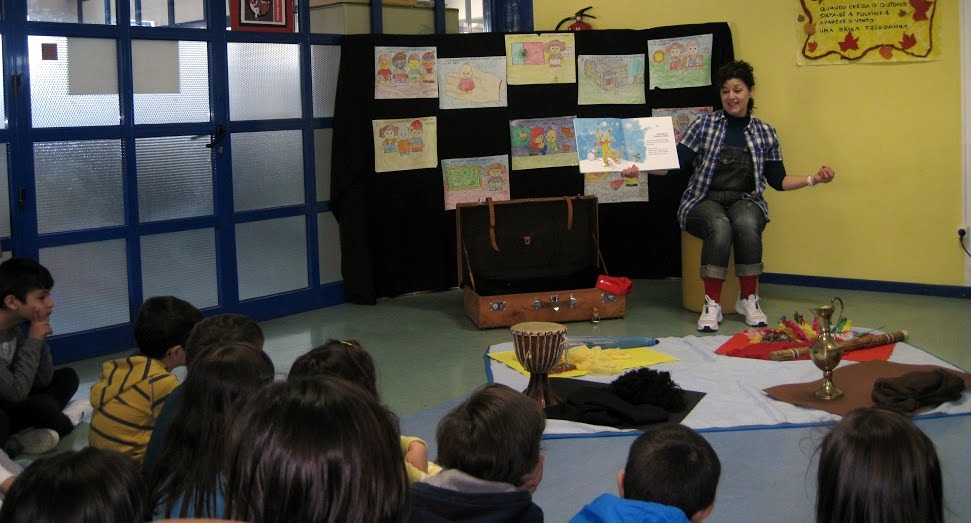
[578,24]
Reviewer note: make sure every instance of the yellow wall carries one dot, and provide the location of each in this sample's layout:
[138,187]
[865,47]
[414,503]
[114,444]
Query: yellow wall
[892,132]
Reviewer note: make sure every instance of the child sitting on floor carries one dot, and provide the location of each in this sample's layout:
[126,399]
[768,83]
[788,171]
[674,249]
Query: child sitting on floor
[876,466]
[130,394]
[671,476]
[488,448]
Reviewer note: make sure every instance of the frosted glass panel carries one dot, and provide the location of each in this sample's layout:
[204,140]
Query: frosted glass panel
[93,11]
[174,178]
[78,185]
[90,285]
[271,256]
[181,264]
[65,95]
[155,13]
[267,169]
[324,63]
[323,140]
[329,248]
[181,91]
[4,194]
[264,81]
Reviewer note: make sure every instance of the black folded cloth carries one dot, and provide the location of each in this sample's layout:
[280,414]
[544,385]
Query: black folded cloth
[600,406]
[916,390]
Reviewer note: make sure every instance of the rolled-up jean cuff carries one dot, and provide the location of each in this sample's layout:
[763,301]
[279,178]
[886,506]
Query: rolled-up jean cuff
[749,269]
[714,271]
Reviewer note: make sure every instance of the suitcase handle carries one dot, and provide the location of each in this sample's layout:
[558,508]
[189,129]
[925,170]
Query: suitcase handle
[554,303]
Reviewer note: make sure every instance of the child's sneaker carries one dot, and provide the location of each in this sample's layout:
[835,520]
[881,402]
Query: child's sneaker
[711,314]
[754,317]
[33,441]
[78,411]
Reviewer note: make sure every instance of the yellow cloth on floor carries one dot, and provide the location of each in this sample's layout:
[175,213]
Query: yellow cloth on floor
[595,360]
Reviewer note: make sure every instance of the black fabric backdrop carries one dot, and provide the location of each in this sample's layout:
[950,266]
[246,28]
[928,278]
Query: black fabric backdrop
[395,235]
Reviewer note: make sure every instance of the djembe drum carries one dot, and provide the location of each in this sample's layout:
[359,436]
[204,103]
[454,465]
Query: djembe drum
[538,346]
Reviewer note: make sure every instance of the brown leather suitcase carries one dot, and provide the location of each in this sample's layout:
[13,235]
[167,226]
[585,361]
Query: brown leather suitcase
[532,260]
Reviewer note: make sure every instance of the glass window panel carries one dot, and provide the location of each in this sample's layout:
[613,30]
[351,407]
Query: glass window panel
[4,194]
[264,81]
[92,11]
[90,285]
[328,248]
[175,90]
[323,140]
[267,169]
[174,178]
[66,95]
[3,87]
[271,256]
[78,185]
[155,13]
[324,63]
[181,264]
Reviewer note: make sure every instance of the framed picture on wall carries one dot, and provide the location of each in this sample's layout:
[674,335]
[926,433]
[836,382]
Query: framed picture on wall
[261,15]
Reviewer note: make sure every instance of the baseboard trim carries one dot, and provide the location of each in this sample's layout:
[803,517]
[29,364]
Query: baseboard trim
[944,291]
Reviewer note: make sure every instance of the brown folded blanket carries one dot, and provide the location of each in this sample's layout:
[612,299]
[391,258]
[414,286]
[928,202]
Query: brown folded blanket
[914,390]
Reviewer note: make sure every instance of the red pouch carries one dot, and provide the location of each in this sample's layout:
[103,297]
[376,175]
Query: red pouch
[617,285]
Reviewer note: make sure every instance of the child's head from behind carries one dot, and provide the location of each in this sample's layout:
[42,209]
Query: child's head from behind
[875,465]
[672,465]
[163,323]
[342,359]
[493,435]
[88,486]
[25,281]
[219,330]
[315,449]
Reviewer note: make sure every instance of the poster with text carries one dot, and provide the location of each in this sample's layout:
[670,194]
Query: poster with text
[466,83]
[470,180]
[680,62]
[610,79]
[615,187]
[543,142]
[541,59]
[850,31]
[681,117]
[405,72]
[405,144]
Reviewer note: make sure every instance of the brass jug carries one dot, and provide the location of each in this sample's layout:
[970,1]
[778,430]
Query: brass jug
[826,352]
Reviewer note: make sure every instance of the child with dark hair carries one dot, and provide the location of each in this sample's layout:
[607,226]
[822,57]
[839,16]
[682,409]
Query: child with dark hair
[489,450]
[671,476]
[214,331]
[130,394]
[876,466]
[87,486]
[33,396]
[348,360]
[317,449]
[186,479]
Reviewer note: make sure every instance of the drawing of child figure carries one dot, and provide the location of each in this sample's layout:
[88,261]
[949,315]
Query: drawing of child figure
[466,83]
[694,59]
[384,68]
[399,61]
[675,52]
[554,50]
[404,142]
[428,63]
[390,134]
[417,145]
[551,142]
[495,179]
[536,141]
[414,68]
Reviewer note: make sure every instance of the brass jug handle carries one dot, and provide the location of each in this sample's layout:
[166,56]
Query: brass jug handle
[833,326]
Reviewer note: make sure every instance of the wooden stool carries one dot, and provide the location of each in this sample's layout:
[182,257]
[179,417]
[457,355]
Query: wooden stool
[693,288]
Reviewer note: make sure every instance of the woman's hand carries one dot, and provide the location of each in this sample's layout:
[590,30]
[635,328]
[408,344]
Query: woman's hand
[824,175]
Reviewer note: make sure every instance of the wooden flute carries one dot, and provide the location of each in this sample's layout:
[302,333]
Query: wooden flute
[863,342]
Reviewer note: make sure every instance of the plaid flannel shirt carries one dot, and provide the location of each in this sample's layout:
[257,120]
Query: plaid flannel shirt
[705,136]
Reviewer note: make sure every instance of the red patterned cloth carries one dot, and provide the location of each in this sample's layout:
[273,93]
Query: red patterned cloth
[739,346]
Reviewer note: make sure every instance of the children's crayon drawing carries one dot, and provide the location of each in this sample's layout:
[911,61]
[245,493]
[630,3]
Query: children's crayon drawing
[465,83]
[542,142]
[610,79]
[475,179]
[613,144]
[615,187]
[404,144]
[681,117]
[405,72]
[541,59]
[679,62]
